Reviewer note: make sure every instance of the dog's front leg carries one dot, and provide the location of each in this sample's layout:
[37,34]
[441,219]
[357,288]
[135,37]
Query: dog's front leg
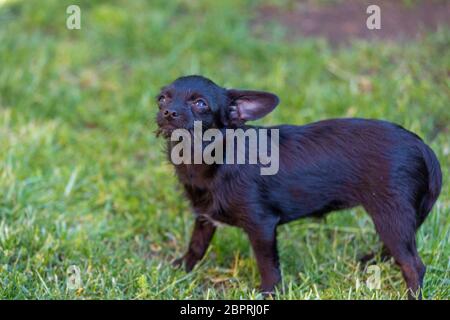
[200,240]
[263,239]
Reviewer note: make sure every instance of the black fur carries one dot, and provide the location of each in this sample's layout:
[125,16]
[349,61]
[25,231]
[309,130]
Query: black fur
[324,166]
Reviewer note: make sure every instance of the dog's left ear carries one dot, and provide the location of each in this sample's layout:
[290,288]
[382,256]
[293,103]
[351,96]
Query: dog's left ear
[246,105]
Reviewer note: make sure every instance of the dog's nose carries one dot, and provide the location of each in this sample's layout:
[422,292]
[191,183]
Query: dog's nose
[170,114]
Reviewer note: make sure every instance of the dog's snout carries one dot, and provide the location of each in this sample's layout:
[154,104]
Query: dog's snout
[170,114]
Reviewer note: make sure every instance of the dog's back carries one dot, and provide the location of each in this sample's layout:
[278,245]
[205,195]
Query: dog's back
[341,163]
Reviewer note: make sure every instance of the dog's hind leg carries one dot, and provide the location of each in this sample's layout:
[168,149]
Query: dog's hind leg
[395,223]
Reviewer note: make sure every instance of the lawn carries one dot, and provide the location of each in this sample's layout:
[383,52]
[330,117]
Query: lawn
[84,181]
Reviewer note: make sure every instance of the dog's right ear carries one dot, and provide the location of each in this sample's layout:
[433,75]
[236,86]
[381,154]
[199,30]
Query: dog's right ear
[246,105]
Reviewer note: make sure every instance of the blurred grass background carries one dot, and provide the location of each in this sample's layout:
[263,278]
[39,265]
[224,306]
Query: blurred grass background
[83,180]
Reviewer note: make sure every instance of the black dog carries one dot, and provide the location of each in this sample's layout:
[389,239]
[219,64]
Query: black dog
[324,166]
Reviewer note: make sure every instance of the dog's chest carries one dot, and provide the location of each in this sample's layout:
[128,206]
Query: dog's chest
[213,206]
[211,219]
[196,176]
[207,196]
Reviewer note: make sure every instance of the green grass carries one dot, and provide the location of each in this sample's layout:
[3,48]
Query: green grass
[84,181]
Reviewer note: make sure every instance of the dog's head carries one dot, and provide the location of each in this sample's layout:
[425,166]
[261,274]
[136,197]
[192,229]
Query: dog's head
[195,98]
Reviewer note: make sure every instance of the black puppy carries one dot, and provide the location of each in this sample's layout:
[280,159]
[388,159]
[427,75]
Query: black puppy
[324,166]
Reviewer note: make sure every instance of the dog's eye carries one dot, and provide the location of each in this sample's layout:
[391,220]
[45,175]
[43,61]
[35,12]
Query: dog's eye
[200,104]
[162,98]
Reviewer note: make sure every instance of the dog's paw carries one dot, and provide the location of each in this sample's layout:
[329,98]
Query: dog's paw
[177,263]
[367,259]
[185,261]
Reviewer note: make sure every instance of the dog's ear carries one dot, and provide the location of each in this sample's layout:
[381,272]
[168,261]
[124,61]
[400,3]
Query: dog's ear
[246,105]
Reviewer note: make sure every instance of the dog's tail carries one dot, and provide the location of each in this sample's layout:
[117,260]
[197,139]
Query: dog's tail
[434,183]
